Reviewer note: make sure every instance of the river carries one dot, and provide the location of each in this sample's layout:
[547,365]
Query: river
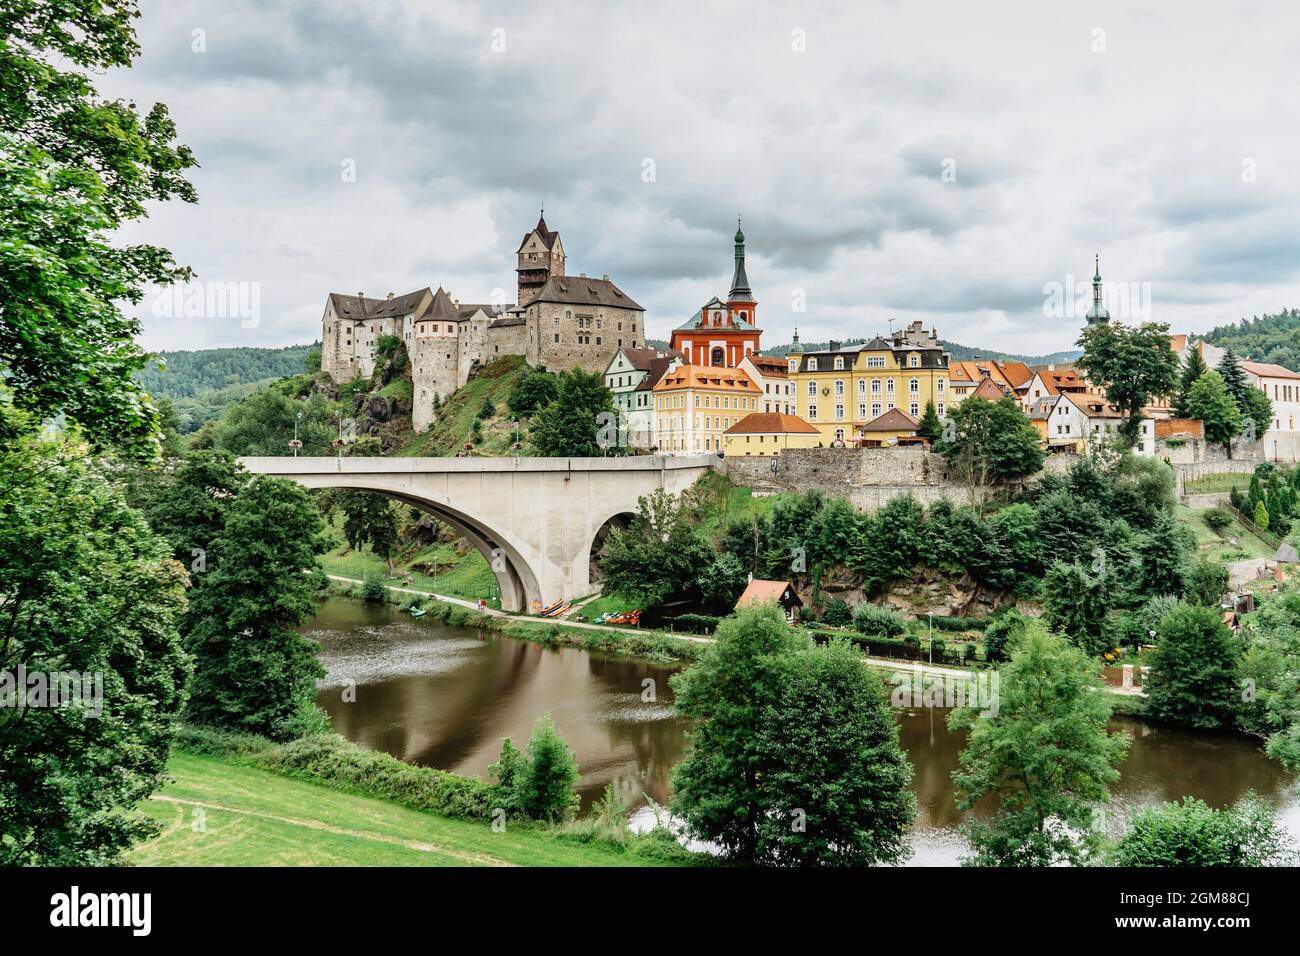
[445,697]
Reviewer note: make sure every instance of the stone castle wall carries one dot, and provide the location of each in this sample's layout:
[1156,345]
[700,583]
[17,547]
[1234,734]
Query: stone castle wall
[619,328]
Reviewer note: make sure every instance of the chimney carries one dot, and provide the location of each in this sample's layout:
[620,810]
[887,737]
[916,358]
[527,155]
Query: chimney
[1051,366]
[834,345]
[605,277]
[390,295]
[361,295]
[582,275]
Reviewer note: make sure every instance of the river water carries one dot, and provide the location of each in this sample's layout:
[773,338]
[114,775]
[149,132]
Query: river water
[445,697]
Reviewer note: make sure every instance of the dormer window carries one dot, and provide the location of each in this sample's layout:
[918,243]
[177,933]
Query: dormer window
[812,365]
[913,360]
[839,363]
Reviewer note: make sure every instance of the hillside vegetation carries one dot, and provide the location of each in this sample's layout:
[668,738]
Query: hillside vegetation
[1263,338]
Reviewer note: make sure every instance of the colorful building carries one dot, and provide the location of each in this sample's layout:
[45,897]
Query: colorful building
[721,333]
[841,389]
[631,377]
[767,434]
[696,404]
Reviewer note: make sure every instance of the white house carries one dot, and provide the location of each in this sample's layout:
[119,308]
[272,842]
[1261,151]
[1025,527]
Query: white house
[631,376]
[768,373]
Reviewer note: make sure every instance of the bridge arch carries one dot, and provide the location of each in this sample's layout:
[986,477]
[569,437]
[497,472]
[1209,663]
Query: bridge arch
[536,520]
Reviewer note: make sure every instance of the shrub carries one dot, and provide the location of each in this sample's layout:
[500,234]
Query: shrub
[695,623]
[837,614]
[1236,498]
[875,619]
[912,644]
[1002,628]
[1218,518]
[937,648]
[340,764]
[373,589]
[546,789]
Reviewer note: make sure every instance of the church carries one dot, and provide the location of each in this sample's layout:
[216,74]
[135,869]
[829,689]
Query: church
[721,333]
[559,322]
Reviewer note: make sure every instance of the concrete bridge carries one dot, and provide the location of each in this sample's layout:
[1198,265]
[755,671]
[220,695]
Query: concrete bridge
[536,520]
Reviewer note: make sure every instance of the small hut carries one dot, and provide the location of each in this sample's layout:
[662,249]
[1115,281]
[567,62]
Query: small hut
[782,592]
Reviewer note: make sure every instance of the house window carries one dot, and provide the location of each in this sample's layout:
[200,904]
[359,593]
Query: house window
[875,409]
[940,410]
[914,386]
[812,389]
[839,412]
[913,360]
[862,409]
[939,386]
[839,388]
[875,386]
[839,363]
[914,409]
[875,361]
[862,387]
[812,411]
[812,365]
[889,386]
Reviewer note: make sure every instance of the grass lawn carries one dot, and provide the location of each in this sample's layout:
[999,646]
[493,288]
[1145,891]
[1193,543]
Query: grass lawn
[453,422]
[1220,547]
[1214,484]
[221,813]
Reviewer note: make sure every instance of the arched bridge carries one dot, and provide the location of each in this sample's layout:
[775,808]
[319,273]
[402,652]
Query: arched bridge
[536,520]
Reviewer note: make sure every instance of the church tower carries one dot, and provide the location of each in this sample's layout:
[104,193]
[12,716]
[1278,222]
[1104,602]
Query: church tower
[541,256]
[741,305]
[1098,314]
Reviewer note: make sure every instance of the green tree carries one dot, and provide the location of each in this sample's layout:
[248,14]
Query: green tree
[834,784]
[1256,413]
[1261,516]
[837,613]
[1046,756]
[74,168]
[85,589]
[1193,368]
[1209,401]
[263,424]
[189,509]
[1234,379]
[1193,834]
[930,426]
[1192,679]
[1134,366]
[505,776]
[580,422]
[370,519]
[547,785]
[535,389]
[718,787]
[722,582]
[253,671]
[1076,600]
[657,556]
[988,443]
[1162,558]
[1002,631]
[1207,582]
[1270,701]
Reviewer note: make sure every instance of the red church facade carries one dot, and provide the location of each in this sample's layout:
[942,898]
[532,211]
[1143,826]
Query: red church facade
[722,333]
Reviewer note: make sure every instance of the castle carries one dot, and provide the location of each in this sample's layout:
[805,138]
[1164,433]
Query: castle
[560,322]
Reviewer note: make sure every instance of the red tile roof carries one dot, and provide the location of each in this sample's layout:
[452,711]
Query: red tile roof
[771,423]
[759,590]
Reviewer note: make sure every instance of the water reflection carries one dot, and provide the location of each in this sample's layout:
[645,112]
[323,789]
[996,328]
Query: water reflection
[445,697]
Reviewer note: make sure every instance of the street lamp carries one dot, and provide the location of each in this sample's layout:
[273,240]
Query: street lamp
[295,444]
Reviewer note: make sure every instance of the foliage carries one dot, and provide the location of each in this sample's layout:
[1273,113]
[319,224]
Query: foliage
[263,423]
[657,556]
[546,780]
[372,588]
[74,168]
[535,389]
[930,426]
[1193,834]
[1263,338]
[85,589]
[1046,756]
[1134,365]
[1075,602]
[1192,674]
[722,581]
[1207,582]
[189,507]
[990,442]
[794,754]
[837,613]
[369,519]
[1005,627]
[1218,518]
[253,671]
[834,777]
[1193,368]
[576,423]
[873,619]
[1270,699]
[1210,401]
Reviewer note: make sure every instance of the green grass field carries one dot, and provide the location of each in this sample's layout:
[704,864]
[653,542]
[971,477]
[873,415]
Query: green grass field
[1220,547]
[452,425]
[220,813]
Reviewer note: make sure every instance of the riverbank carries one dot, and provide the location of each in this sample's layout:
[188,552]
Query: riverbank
[219,811]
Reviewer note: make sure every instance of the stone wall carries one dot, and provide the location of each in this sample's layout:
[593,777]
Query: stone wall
[548,319]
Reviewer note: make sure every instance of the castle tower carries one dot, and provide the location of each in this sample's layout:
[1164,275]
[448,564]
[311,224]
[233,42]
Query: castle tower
[1098,314]
[541,256]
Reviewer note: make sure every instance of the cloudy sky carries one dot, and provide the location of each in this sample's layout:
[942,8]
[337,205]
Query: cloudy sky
[956,163]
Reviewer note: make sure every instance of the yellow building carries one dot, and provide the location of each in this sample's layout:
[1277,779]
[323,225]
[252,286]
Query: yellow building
[842,389]
[767,434]
[696,404]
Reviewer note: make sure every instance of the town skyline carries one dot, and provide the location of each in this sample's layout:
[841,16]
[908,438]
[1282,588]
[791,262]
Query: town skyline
[397,146]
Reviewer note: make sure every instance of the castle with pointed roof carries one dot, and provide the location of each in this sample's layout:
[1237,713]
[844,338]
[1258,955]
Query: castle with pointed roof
[559,322]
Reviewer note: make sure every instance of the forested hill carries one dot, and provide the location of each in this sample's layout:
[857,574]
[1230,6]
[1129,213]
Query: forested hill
[200,384]
[1264,338]
[189,374]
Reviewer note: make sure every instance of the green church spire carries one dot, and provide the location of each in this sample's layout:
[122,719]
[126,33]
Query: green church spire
[1098,314]
[740,290]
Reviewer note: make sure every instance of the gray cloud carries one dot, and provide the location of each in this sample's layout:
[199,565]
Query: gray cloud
[833,156]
